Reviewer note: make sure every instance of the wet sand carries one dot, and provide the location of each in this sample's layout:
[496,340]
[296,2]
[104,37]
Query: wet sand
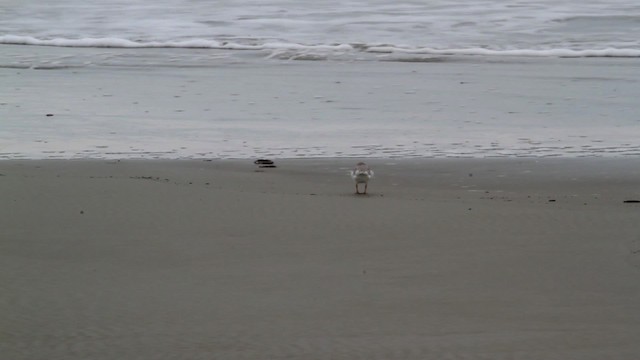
[202,104]
[443,259]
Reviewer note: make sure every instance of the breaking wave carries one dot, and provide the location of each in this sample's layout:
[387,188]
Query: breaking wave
[326,48]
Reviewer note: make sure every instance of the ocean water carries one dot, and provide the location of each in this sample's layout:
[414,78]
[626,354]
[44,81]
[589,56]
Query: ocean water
[109,38]
[487,27]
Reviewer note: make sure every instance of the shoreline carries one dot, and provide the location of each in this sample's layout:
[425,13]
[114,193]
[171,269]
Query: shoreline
[144,104]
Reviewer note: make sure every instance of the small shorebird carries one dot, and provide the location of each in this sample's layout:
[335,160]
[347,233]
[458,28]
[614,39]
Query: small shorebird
[361,175]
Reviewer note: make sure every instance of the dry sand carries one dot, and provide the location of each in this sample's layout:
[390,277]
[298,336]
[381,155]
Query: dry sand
[444,259]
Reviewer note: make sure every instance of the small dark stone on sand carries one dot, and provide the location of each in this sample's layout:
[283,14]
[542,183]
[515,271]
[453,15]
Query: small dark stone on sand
[49,114]
[81,212]
[267,166]
[263,162]
[632,201]
[552,200]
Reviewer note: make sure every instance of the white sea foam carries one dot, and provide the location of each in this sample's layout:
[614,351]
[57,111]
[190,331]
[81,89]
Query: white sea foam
[610,52]
[213,44]
[109,42]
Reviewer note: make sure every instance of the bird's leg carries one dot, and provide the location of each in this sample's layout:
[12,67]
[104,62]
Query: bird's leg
[365,187]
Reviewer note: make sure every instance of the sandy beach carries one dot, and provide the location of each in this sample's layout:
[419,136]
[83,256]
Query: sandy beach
[443,259]
[502,222]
